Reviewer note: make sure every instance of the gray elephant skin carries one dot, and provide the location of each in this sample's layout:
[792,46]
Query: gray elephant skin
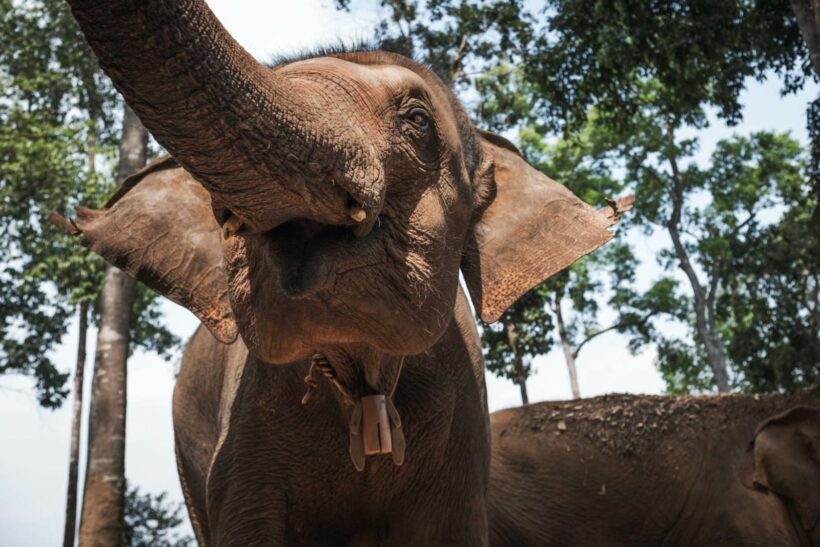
[323,206]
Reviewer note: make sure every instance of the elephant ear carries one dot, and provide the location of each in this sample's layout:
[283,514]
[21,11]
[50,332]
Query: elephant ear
[787,460]
[528,228]
[160,229]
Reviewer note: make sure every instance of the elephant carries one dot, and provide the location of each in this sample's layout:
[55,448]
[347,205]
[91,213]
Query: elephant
[316,216]
[624,470]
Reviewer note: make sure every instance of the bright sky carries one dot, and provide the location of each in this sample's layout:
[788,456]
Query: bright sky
[35,442]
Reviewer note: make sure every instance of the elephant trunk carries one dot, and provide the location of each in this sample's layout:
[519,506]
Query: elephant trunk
[243,131]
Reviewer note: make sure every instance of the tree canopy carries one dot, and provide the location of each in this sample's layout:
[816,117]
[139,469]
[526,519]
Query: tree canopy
[635,79]
[58,136]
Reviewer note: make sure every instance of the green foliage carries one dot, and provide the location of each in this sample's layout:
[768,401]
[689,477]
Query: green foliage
[682,366]
[452,37]
[598,54]
[57,114]
[746,228]
[42,162]
[533,327]
[624,80]
[152,521]
[771,307]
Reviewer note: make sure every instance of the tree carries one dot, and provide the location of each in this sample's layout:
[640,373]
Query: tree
[630,60]
[57,116]
[807,13]
[700,52]
[452,37]
[45,114]
[103,497]
[773,307]
[534,324]
[522,334]
[584,162]
[152,521]
[635,65]
[715,216]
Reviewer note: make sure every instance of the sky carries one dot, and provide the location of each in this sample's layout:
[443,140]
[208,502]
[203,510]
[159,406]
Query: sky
[34,442]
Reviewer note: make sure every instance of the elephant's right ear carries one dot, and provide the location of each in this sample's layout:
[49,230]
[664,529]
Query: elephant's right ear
[787,460]
[528,228]
[160,229]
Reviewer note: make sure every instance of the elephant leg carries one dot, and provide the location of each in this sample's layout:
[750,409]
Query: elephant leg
[433,524]
[195,504]
[248,517]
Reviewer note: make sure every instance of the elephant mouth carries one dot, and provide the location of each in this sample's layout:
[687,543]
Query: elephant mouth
[309,254]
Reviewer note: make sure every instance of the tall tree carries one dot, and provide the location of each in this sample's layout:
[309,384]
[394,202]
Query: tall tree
[772,305]
[42,156]
[522,334]
[721,212]
[807,13]
[103,497]
[70,527]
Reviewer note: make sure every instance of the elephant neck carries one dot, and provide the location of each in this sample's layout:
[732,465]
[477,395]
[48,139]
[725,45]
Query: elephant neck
[353,373]
[364,384]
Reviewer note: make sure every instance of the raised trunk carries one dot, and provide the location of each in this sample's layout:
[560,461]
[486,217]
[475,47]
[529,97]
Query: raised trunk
[76,423]
[103,497]
[569,355]
[242,130]
[704,323]
[807,13]
[518,361]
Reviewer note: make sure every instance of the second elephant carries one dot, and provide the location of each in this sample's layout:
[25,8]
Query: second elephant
[634,470]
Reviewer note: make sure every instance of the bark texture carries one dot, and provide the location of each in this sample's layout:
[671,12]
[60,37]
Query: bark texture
[569,353]
[807,13]
[704,305]
[518,361]
[76,423]
[103,497]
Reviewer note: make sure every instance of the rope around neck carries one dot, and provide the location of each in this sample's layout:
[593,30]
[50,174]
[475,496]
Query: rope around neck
[319,365]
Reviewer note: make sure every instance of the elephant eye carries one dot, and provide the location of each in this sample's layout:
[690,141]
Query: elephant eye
[419,119]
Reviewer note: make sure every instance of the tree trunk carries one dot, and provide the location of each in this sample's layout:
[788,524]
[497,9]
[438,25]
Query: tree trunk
[103,498]
[76,423]
[69,533]
[569,355]
[704,316]
[807,13]
[518,361]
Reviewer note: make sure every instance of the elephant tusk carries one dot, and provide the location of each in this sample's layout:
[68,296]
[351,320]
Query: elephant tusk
[358,214]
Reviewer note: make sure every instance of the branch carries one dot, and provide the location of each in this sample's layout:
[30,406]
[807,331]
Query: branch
[739,227]
[657,176]
[455,66]
[616,326]
[713,286]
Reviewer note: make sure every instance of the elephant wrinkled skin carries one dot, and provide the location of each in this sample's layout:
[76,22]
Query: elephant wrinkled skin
[638,471]
[326,204]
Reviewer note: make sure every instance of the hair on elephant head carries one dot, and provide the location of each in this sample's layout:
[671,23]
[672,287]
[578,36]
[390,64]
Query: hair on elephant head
[325,200]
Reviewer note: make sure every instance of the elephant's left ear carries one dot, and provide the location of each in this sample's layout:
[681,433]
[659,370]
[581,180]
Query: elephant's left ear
[160,229]
[787,460]
[528,228]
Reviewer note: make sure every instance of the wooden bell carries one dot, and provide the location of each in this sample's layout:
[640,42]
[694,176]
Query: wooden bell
[376,426]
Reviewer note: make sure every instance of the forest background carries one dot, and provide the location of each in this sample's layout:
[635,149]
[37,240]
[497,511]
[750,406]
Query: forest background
[724,145]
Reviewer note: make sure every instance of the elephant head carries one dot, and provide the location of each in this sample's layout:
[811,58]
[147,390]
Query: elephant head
[786,450]
[331,200]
